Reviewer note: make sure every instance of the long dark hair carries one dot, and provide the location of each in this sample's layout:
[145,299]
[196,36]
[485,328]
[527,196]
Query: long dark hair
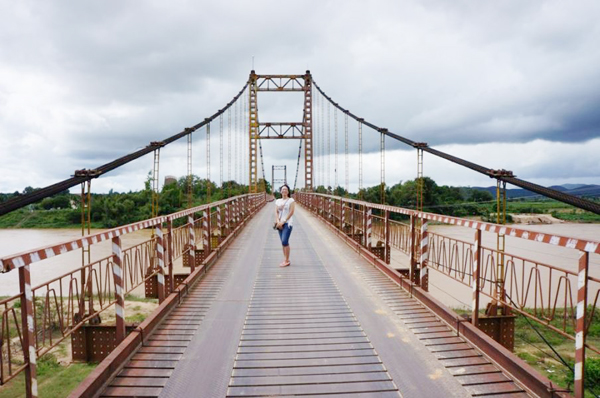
[289,190]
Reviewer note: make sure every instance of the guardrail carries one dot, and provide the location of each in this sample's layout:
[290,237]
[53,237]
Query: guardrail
[54,310]
[516,284]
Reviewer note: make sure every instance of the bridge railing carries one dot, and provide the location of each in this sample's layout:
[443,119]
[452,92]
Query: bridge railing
[562,298]
[52,311]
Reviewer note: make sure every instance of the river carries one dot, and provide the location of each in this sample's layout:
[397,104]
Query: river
[18,240]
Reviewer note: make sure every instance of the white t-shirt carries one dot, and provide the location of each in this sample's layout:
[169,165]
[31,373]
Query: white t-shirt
[283,209]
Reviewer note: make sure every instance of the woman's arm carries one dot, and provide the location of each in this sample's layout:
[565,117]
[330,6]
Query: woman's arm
[292,208]
[276,214]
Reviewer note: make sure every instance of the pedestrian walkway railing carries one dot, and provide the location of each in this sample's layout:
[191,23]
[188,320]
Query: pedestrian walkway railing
[39,318]
[503,278]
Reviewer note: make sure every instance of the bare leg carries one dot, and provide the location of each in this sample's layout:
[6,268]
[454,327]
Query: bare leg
[286,252]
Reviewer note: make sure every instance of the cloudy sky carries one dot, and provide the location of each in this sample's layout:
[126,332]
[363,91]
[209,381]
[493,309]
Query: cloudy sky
[507,84]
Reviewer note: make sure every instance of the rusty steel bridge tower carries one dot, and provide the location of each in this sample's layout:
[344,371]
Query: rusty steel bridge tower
[286,130]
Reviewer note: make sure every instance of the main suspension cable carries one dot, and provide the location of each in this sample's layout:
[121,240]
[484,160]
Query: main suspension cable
[501,175]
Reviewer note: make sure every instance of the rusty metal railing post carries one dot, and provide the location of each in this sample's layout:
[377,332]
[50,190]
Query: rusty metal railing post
[413,260]
[244,207]
[424,256]
[160,263]
[387,238]
[475,281]
[191,243]
[117,260]
[580,327]
[233,214]
[227,222]
[353,220]
[206,232]
[27,320]
[170,254]
[342,215]
[369,217]
[219,223]
[318,205]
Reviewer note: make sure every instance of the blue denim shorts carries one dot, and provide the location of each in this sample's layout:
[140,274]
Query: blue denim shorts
[284,234]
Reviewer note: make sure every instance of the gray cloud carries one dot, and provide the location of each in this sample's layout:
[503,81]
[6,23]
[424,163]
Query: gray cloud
[83,83]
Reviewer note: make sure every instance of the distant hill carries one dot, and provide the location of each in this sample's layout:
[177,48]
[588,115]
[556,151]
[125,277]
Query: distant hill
[572,189]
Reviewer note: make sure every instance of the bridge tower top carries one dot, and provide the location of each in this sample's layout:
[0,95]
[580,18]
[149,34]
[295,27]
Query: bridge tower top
[285,130]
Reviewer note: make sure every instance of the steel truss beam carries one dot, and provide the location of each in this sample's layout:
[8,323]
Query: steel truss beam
[281,83]
[280,130]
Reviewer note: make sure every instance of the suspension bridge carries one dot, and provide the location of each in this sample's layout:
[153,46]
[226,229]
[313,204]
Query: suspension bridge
[353,314]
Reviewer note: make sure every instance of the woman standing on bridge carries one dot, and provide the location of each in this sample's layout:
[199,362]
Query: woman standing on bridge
[284,211]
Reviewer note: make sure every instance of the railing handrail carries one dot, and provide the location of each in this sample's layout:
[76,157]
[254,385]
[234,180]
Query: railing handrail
[14,261]
[586,245]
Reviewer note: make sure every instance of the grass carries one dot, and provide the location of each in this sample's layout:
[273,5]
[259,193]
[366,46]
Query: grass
[531,347]
[135,318]
[54,379]
[577,216]
[131,297]
[58,380]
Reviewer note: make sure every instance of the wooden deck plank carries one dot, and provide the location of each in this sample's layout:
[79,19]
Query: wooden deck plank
[304,355]
[334,388]
[483,378]
[495,388]
[310,379]
[137,372]
[132,392]
[316,348]
[139,382]
[371,359]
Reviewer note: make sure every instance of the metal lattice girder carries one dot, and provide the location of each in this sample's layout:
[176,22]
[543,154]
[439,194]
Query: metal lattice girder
[300,83]
[280,130]
[253,134]
[281,82]
[308,144]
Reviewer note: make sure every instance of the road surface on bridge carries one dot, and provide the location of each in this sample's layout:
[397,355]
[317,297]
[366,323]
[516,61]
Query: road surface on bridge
[328,324]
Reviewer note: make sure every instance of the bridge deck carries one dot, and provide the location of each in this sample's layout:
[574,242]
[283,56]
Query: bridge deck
[329,324]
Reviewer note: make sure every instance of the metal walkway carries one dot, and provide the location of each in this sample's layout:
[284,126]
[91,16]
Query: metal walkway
[330,324]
